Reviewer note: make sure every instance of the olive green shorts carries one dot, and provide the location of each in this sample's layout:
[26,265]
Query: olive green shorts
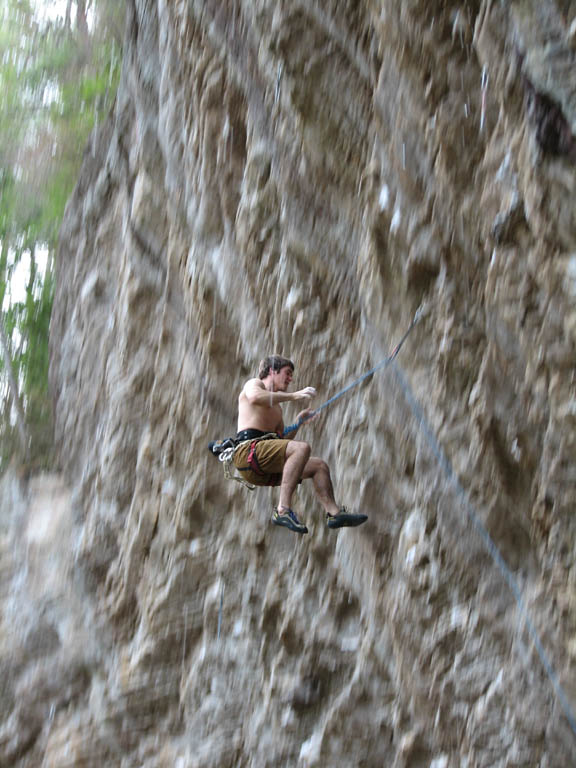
[261,462]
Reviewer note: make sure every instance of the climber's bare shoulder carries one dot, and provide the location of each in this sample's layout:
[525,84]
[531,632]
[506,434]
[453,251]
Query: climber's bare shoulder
[255,409]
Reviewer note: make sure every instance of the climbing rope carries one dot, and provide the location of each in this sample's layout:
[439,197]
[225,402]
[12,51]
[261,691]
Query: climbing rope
[449,473]
[416,319]
[488,542]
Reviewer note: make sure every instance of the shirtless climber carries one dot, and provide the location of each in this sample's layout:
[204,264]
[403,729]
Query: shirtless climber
[269,455]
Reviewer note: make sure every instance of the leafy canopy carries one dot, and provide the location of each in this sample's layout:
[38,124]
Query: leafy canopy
[58,78]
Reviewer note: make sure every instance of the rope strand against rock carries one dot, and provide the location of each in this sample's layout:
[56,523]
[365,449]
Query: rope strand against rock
[488,542]
[371,372]
[449,473]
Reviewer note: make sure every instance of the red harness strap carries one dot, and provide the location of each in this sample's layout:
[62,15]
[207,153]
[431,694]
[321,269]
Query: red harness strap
[253,461]
[273,478]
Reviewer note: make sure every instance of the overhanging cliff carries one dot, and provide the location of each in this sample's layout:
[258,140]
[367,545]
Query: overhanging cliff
[300,178]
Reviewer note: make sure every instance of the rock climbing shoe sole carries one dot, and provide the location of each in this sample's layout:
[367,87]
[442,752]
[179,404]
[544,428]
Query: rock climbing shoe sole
[288,519]
[345,520]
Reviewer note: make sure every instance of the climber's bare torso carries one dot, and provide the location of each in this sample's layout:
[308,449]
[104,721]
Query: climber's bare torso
[259,402]
[262,415]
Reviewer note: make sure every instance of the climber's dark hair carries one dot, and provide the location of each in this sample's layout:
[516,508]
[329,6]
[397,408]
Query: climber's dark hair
[273,363]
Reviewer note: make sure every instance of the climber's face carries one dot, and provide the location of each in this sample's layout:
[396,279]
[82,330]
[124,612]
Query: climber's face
[282,379]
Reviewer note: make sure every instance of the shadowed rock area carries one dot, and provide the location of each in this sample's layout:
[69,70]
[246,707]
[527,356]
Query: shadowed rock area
[300,177]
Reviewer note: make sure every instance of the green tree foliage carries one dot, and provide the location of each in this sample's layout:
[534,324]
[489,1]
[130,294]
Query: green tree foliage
[58,79]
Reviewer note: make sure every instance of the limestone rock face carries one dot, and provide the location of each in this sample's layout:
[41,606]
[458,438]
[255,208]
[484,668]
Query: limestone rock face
[300,177]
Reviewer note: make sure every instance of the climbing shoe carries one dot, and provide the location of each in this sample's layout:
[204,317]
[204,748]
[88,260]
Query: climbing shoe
[288,519]
[345,519]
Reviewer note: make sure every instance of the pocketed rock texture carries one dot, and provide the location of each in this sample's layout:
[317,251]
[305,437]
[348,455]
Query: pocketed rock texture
[300,177]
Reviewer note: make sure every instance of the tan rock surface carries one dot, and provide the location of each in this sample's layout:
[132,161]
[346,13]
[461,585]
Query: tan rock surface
[301,177]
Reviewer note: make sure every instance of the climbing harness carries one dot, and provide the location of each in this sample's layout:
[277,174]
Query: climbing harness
[224,450]
[226,457]
[254,464]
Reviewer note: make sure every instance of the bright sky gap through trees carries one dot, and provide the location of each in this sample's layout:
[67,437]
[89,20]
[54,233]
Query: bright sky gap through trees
[59,67]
